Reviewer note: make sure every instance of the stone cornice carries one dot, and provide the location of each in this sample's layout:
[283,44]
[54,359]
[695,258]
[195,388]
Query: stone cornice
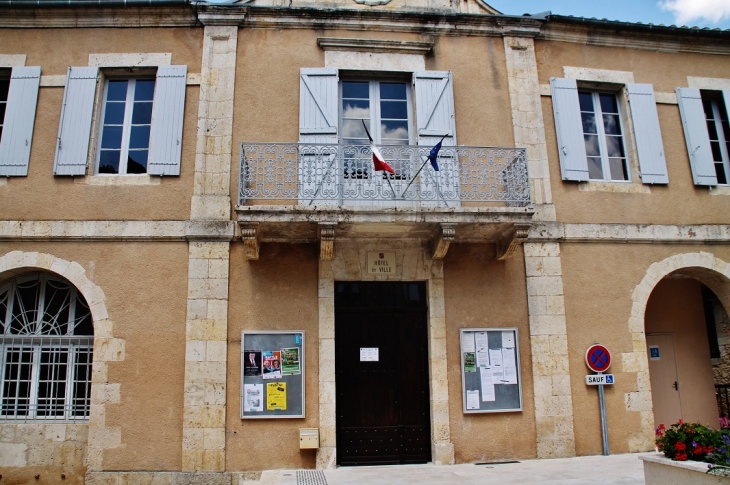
[89,16]
[374,45]
[116,230]
[636,36]
[630,233]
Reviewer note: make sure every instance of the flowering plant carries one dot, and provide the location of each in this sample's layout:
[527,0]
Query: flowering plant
[688,441]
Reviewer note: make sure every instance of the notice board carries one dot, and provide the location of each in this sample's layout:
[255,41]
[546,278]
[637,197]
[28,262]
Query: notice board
[272,374]
[490,370]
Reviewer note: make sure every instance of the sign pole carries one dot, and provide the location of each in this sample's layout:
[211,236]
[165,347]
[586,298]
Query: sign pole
[604,425]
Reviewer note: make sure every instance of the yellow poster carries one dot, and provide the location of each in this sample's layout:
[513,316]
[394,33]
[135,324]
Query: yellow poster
[276,396]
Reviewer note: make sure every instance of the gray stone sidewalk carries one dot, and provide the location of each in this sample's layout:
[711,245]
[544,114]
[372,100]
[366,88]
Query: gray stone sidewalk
[624,469]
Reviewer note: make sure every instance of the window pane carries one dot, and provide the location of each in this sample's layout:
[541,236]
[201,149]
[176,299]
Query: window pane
[592,149]
[721,175]
[4,87]
[352,89]
[618,169]
[2,113]
[82,323]
[56,311]
[726,130]
[716,151]
[612,124]
[111,137]
[586,101]
[392,91]
[139,137]
[52,381]
[114,114]
[16,386]
[109,161]
[712,129]
[707,105]
[589,123]
[356,108]
[394,110]
[116,90]
[390,130]
[25,308]
[608,103]
[142,114]
[137,161]
[144,90]
[615,146]
[82,382]
[353,129]
[595,171]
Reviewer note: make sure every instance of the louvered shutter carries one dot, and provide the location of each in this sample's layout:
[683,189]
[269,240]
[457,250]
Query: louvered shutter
[652,164]
[435,118]
[168,110]
[319,170]
[17,134]
[72,149]
[569,129]
[696,136]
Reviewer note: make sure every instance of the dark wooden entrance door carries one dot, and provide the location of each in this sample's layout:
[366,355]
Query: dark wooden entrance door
[383,412]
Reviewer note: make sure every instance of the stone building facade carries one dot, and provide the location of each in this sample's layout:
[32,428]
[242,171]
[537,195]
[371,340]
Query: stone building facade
[179,173]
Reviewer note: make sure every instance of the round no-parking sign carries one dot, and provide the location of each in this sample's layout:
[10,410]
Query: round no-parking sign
[598,358]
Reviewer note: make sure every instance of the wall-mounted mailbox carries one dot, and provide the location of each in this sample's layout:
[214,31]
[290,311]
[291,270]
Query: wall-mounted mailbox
[308,438]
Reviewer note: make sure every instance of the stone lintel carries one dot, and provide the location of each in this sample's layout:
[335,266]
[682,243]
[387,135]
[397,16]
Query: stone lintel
[508,240]
[327,241]
[250,235]
[442,239]
[222,17]
[374,45]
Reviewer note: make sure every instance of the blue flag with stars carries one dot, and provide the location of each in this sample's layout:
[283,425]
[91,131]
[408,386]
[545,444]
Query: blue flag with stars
[434,154]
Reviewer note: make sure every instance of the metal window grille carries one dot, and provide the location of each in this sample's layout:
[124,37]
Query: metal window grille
[46,350]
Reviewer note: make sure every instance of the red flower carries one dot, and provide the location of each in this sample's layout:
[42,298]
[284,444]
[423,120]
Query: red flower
[680,422]
[709,449]
[698,450]
[679,446]
[680,457]
[661,426]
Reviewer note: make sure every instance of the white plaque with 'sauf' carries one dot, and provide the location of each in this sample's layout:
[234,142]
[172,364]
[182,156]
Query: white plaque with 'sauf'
[381,262]
[369,354]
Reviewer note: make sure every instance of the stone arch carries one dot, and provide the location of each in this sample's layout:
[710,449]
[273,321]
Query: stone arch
[702,266]
[107,348]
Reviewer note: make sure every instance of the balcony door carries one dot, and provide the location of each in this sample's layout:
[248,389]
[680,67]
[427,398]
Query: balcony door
[381,368]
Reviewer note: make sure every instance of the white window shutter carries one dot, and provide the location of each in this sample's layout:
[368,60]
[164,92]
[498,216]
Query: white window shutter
[652,163]
[20,110]
[318,105]
[319,171]
[168,112]
[72,148]
[435,117]
[569,129]
[696,136]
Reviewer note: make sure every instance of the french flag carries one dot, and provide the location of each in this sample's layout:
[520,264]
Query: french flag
[378,160]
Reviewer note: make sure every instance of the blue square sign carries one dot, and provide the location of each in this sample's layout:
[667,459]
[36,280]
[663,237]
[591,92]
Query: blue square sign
[654,352]
[609,379]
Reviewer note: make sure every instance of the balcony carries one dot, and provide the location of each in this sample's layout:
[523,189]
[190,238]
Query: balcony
[292,192]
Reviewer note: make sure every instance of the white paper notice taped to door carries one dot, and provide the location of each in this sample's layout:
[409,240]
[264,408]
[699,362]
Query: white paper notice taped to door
[369,354]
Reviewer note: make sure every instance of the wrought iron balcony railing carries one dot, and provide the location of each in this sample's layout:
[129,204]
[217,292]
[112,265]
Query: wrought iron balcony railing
[328,174]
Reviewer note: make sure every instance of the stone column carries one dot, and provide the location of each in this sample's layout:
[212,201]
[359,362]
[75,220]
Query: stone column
[549,346]
[206,353]
[327,452]
[527,121]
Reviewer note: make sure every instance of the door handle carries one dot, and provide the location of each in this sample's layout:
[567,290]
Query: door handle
[676,386]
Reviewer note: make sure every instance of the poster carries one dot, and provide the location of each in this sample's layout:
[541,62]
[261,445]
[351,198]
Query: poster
[470,362]
[472,399]
[251,363]
[487,384]
[290,361]
[467,342]
[253,397]
[271,360]
[275,396]
[510,366]
[508,339]
[482,348]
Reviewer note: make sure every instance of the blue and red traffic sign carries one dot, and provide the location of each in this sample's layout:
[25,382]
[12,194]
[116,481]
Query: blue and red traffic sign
[598,358]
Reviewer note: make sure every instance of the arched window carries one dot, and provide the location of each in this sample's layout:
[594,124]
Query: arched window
[46,346]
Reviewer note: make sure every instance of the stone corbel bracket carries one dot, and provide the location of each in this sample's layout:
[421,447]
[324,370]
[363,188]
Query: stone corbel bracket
[442,239]
[508,240]
[250,235]
[327,240]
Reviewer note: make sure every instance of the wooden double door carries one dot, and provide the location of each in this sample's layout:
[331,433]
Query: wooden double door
[381,364]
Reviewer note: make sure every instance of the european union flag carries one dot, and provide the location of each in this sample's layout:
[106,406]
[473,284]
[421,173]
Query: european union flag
[434,154]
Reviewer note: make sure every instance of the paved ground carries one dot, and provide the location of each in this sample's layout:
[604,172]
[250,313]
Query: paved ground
[593,470]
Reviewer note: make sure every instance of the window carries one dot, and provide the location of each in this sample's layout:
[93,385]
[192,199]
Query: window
[140,122]
[719,133]
[589,123]
[46,347]
[705,122]
[603,136]
[18,99]
[125,127]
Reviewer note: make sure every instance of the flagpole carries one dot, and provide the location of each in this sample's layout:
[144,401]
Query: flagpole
[419,171]
[372,143]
